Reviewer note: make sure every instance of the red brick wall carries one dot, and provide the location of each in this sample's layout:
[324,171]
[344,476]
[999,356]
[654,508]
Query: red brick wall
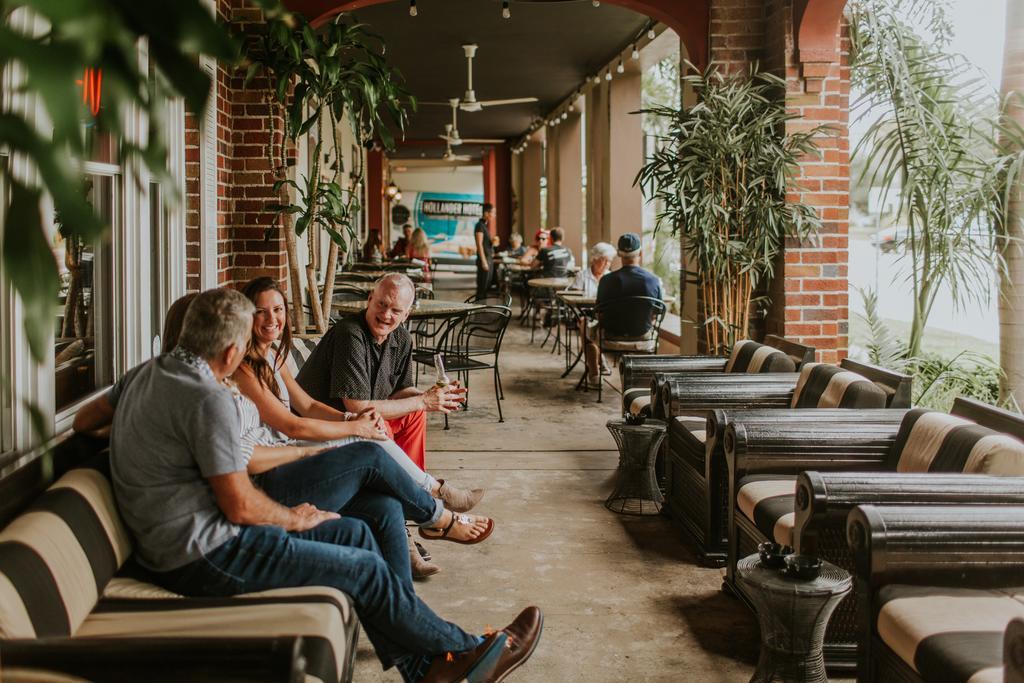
[244,180]
[809,294]
[809,300]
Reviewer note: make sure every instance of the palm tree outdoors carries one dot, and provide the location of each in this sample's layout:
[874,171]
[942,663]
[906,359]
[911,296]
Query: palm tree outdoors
[1011,299]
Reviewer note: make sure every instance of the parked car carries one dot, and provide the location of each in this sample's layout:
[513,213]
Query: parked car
[889,239]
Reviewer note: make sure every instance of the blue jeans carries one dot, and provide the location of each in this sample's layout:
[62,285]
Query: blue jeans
[359,480]
[341,554]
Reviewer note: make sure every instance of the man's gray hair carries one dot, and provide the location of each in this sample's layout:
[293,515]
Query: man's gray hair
[398,281]
[602,249]
[215,320]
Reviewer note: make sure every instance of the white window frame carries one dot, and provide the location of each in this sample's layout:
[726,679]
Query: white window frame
[208,267]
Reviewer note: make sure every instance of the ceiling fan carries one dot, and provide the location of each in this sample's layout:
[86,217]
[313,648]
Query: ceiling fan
[469,101]
[451,156]
[451,130]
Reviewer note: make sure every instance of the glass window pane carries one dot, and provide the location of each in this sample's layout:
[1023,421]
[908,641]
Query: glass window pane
[100,144]
[83,354]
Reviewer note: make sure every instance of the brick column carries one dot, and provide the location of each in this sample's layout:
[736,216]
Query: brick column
[810,302]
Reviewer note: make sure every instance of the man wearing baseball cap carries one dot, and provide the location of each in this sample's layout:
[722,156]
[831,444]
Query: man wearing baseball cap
[625,322]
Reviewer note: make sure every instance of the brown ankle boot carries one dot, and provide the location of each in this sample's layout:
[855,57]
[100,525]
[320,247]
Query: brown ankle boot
[421,568]
[458,499]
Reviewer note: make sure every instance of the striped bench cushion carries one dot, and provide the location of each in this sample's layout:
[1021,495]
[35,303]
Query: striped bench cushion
[954,635]
[829,386]
[300,352]
[56,558]
[769,501]
[323,616]
[690,428]
[750,357]
[930,441]
[638,401]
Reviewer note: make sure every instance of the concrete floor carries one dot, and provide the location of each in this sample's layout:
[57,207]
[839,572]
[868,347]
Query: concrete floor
[622,596]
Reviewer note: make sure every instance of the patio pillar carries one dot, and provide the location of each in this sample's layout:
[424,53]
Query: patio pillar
[375,202]
[530,200]
[626,148]
[552,176]
[569,170]
[809,295]
[598,179]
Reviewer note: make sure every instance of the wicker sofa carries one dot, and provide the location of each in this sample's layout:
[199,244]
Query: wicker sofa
[942,596]
[644,375]
[72,603]
[796,485]
[700,409]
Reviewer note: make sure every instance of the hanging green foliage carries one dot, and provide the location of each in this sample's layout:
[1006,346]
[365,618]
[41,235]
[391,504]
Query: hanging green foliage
[46,66]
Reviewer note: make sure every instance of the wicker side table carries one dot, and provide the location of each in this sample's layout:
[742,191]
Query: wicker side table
[636,492]
[793,614]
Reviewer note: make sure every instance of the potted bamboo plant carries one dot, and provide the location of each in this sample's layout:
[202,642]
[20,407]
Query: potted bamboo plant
[317,78]
[720,177]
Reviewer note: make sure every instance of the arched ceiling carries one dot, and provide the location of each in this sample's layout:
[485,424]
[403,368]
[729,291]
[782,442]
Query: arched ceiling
[545,50]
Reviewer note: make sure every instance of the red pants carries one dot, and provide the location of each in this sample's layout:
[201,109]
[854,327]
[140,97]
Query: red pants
[410,433]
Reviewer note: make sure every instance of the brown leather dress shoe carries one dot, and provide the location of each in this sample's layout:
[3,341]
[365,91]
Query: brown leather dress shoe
[523,636]
[473,665]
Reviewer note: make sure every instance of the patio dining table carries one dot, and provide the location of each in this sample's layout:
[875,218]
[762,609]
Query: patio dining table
[425,308]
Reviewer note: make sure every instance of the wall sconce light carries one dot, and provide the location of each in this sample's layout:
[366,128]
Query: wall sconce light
[392,191]
[397,197]
[412,8]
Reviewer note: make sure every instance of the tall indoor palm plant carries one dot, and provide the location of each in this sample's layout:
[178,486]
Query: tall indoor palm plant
[331,73]
[721,174]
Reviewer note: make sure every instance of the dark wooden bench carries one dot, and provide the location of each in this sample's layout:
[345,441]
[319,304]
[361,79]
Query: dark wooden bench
[806,478]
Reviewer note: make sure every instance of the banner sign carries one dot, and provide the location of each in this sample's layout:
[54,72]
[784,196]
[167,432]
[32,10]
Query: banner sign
[451,208]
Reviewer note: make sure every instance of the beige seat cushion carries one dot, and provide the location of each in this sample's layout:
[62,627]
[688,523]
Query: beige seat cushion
[768,501]
[323,616]
[949,633]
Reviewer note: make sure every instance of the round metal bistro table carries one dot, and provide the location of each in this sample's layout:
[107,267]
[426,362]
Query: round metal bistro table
[636,492]
[793,614]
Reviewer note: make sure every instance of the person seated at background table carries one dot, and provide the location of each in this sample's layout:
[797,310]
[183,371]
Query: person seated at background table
[401,246]
[632,323]
[365,361]
[555,259]
[516,247]
[202,528]
[540,240]
[601,256]
[372,250]
[419,248]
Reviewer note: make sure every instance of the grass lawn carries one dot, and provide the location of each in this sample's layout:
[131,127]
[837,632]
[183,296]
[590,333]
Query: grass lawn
[946,344]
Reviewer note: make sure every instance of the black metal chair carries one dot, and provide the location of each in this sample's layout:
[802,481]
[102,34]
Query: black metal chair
[470,343]
[492,299]
[629,311]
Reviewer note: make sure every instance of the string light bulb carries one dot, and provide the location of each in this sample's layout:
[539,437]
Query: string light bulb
[597,79]
[412,8]
[651,35]
[608,76]
[565,115]
[595,3]
[620,68]
[636,52]
[506,13]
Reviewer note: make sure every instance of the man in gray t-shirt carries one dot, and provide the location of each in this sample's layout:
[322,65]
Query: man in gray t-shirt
[161,458]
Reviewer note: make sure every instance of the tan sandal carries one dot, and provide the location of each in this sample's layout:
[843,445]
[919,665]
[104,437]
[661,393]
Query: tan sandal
[462,519]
